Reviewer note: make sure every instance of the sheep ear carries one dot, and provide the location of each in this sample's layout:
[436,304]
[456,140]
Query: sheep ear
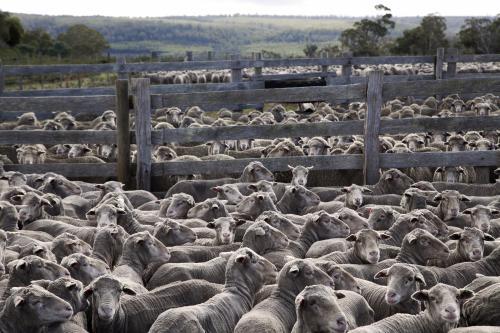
[488,237]
[294,270]
[366,190]
[41,283]
[242,259]
[344,189]
[351,238]
[72,262]
[211,225]
[464,198]
[467,211]
[420,278]
[240,222]
[290,167]
[18,301]
[289,258]
[21,264]
[455,236]
[479,275]
[260,231]
[339,295]
[217,189]
[87,292]
[382,274]
[126,289]
[464,294]
[412,239]
[310,167]
[252,187]
[438,197]
[421,295]
[383,235]
[70,285]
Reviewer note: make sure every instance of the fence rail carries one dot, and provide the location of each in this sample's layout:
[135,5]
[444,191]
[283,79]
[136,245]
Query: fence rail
[374,90]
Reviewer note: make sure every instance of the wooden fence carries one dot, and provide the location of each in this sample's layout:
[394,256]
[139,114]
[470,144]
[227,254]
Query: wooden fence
[374,92]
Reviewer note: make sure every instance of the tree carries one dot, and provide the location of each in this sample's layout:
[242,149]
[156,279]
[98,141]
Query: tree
[310,50]
[11,29]
[480,35]
[36,42]
[83,41]
[424,39]
[366,37]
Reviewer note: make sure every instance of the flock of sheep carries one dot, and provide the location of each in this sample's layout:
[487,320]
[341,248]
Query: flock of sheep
[257,252]
[224,76]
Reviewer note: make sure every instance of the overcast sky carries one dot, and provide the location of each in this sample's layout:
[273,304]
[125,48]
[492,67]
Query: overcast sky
[270,7]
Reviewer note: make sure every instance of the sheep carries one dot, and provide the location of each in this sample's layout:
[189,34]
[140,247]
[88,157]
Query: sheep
[172,233]
[139,251]
[229,192]
[178,206]
[71,291]
[317,310]
[322,226]
[476,329]
[224,231]
[255,204]
[32,309]
[56,228]
[296,199]
[38,249]
[448,204]
[382,218]
[136,313]
[208,210]
[66,244]
[280,222]
[8,216]
[277,313]
[199,253]
[23,271]
[364,251]
[481,309]
[299,174]
[469,247]
[402,281]
[442,313]
[84,268]
[246,273]
[478,216]
[352,219]
[469,189]
[108,244]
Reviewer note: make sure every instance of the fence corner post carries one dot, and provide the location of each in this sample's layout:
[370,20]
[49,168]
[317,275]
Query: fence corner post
[123,132]
[451,61]
[210,55]
[2,78]
[235,68]
[142,106]
[189,55]
[438,64]
[371,163]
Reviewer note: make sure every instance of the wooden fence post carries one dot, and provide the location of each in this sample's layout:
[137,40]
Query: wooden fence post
[210,55]
[324,68]
[189,55]
[438,64]
[120,68]
[452,55]
[257,70]
[347,68]
[142,106]
[123,132]
[2,78]
[372,126]
[235,68]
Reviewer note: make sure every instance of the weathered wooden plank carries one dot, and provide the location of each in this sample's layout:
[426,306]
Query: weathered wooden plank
[123,132]
[58,103]
[142,106]
[56,137]
[293,76]
[464,158]
[441,87]
[204,87]
[372,127]
[120,68]
[477,58]
[337,162]
[204,134]
[61,92]
[346,70]
[291,95]
[2,78]
[235,71]
[391,60]
[421,125]
[11,70]
[72,170]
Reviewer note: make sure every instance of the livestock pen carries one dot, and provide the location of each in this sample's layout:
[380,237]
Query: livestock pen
[142,98]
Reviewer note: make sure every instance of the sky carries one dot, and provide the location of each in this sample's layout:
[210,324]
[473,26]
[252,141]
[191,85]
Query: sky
[155,8]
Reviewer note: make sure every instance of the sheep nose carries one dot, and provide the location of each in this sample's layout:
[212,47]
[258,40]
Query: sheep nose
[450,309]
[373,253]
[454,212]
[484,227]
[391,294]
[476,252]
[446,250]
[341,324]
[226,234]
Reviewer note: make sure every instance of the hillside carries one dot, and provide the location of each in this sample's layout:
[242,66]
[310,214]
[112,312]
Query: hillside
[238,33]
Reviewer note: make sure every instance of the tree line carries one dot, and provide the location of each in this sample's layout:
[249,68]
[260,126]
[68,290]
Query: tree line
[76,41]
[370,37]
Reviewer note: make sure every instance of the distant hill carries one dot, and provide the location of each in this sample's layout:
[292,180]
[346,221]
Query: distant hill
[238,33]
